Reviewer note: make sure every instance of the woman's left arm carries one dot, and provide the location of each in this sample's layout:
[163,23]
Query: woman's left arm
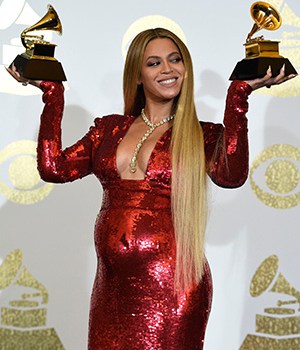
[226,146]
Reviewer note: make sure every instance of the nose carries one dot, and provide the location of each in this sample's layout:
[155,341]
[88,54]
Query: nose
[166,68]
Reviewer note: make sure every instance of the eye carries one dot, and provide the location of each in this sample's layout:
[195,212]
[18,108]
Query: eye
[153,63]
[176,59]
[277,170]
[21,182]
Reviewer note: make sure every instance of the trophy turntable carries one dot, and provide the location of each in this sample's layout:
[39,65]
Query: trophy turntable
[261,53]
[38,61]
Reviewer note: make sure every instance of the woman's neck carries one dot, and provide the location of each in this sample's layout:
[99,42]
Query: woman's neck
[155,112]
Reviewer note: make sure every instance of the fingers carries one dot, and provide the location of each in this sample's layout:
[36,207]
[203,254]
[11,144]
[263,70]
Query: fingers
[14,73]
[269,72]
[261,82]
[12,70]
[268,80]
[280,78]
[291,76]
[267,77]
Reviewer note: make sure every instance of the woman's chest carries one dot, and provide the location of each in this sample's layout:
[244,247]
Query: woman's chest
[112,157]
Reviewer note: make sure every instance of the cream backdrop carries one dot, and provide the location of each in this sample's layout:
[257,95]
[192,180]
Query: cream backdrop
[46,239]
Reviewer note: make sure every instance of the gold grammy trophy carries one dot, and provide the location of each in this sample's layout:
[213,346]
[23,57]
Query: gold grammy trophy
[261,53]
[23,321]
[277,328]
[38,61]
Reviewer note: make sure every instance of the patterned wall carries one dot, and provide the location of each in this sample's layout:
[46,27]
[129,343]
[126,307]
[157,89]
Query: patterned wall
[47,261]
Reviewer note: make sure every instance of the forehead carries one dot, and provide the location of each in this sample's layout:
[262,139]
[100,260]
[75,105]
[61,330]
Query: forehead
[160,47]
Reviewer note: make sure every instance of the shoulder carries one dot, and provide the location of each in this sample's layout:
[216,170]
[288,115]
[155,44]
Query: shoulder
[108,125]
[112,120]
[211,131]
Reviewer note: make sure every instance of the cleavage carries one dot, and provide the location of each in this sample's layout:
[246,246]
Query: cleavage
[128,144]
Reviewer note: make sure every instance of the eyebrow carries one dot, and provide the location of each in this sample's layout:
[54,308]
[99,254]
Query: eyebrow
[169,55]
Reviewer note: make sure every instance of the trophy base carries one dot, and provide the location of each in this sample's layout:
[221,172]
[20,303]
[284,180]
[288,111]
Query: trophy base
[253,68]
[39,69]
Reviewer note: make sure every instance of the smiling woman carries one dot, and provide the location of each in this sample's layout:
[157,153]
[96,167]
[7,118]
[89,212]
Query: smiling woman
[161,76]
[153,285]
[162,73]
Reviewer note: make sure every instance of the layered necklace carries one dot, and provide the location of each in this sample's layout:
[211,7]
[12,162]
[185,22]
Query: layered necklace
[152,126]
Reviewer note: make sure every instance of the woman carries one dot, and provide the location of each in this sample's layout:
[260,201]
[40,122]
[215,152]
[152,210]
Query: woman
[153,285]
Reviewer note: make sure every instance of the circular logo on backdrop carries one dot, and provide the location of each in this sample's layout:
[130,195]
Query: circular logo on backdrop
[281,171]
[25,185]
[148,22]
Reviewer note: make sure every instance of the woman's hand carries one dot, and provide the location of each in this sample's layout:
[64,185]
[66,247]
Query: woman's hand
[12,70]
[268,80]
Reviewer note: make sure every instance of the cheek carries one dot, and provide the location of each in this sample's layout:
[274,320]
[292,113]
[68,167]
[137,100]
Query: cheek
[148,81]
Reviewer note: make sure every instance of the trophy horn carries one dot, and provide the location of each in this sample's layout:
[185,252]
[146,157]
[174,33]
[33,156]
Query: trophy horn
[267,277]
[50,21]
[265,16]
[13,273]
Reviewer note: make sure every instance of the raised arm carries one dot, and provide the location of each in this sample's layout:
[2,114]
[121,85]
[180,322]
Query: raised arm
[55,164]
[226,146]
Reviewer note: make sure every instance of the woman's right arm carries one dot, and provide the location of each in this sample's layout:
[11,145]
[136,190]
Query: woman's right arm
[55,164]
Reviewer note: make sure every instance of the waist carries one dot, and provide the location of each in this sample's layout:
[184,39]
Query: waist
[131,194]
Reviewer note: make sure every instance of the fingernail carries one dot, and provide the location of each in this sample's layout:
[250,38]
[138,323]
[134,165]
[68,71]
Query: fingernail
[283,67]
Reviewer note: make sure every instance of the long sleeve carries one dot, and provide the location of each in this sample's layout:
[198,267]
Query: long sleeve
[226,146]
[55,164]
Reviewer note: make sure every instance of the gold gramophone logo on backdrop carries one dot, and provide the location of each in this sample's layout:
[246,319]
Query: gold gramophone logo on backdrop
[278,326]
[23,323]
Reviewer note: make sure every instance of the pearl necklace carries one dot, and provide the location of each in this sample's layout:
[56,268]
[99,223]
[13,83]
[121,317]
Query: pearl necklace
[152,126]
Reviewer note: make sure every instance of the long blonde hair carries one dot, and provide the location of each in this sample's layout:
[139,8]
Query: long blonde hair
[188,194]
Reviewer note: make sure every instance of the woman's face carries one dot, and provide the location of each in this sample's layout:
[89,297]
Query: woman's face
[162,70]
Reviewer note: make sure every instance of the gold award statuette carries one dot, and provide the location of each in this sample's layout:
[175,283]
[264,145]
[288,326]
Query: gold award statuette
[38,61]
[261,53]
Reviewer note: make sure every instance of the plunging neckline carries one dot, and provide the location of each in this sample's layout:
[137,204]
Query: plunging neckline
[121,138]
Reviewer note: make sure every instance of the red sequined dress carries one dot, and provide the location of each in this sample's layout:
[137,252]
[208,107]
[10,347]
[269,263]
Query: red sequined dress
[133,306]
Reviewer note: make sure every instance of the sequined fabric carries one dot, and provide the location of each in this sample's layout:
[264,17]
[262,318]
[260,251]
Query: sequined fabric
[133,306]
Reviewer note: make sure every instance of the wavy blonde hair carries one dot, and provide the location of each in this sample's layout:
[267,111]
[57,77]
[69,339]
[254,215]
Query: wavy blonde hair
[188,194]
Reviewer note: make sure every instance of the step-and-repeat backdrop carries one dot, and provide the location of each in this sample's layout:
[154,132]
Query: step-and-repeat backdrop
[47,258]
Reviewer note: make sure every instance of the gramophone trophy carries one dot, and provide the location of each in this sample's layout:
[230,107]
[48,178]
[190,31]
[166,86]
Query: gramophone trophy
[261,53]
[38,61]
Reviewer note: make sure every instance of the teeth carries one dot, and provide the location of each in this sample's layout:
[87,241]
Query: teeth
[169,81]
